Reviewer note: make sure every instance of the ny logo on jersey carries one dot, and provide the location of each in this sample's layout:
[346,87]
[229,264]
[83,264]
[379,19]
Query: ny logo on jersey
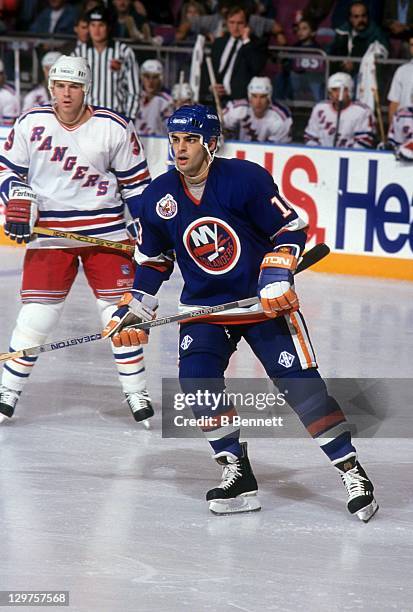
[212,244]
[186,342]
[286,359]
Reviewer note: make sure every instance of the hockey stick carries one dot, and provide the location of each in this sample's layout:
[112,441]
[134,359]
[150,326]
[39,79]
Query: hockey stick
[308,259]
[110,244]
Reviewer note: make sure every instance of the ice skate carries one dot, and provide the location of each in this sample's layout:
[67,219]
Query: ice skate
[141,407]
[359,488]
[8,401]
[238,489]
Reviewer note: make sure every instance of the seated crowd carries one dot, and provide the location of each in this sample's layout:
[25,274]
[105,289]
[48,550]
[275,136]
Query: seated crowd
[247,86]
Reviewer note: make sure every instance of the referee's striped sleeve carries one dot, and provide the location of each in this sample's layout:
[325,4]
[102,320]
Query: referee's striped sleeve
[131,77]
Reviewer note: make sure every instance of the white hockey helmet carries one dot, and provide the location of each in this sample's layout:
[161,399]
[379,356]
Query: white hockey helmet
[152,66]
[341,79]
[260,85]
[182,91]
[72,69]
[50,58]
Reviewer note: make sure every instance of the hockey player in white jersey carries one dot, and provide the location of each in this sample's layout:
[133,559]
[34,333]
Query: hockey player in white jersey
[155,103]
[81,165]
[40,94]
[401,129]
[258,119]
[339,121]
[9,101]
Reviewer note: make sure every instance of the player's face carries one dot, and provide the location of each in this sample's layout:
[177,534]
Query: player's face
[98,31]
[236,24]
[190,155]
[151,82]
[69,98]
[334,94]
[259,104]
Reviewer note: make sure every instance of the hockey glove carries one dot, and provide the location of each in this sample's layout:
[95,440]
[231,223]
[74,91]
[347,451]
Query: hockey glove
[276,284]
[134,307]
[21,214]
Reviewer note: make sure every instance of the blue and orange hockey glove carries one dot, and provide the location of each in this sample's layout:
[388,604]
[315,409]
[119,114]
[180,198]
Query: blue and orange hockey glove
[276,283]
[134,307]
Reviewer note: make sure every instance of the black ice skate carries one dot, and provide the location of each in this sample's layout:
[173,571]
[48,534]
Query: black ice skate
[359,488]
[8,401]
[141,407]
[238,489]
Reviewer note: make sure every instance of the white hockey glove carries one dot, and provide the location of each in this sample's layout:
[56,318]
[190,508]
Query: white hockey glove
[134,307]
[276,283]
[21,214]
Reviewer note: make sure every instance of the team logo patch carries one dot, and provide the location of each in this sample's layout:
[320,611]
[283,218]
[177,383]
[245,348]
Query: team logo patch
[212,244]
[186,342]
[286,359]
[125,269]
[167,207]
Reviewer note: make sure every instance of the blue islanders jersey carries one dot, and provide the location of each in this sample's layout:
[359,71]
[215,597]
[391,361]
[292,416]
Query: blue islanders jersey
[220,240]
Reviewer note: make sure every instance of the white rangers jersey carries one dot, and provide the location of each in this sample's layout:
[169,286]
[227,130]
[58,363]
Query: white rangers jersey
[83,175]
[9,105]
[401,127]
[274,126]
[153,113]
[37,96]
[357,126]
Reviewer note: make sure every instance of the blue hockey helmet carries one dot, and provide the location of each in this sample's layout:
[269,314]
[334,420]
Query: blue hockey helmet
[195,119]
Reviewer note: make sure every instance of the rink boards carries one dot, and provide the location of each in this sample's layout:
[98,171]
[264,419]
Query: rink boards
[358,202]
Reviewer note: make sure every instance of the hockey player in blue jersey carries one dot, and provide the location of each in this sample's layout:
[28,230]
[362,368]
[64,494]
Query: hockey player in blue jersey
[234,236]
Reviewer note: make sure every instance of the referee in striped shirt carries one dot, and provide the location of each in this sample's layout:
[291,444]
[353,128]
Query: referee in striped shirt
[115,73]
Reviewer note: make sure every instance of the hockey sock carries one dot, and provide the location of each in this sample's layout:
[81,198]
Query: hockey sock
[318,411]
[129,361]
[33,325]
[199,374]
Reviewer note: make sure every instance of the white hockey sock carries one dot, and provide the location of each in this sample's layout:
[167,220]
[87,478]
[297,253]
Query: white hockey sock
[33,325]
[129,360]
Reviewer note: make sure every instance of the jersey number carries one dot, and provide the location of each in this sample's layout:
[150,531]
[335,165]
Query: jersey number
[281,205]
[10,140]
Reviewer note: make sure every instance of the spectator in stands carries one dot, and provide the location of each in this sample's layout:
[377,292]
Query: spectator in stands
[156,12]
[257,119]
[128,23]
[354,37]
[401,89]
[236,57]
[182,94]
[155,104]
[40,93]
[401,127]
[214,26]
[81,28]
[190,10]
[58,18]
[9,102]
[398,22]
[307,73]
[115,76]
[339,121]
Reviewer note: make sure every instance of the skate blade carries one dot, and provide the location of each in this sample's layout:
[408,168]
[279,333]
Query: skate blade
[246,502]
[147,424]
[4,418]
[365,514]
